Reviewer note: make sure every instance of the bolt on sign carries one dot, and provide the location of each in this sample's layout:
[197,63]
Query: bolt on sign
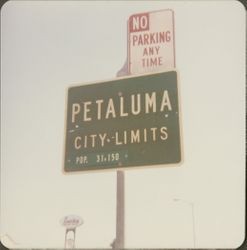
[151,42]
[125,122]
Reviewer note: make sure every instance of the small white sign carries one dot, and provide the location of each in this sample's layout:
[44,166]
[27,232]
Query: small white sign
[151,42]
[71,221]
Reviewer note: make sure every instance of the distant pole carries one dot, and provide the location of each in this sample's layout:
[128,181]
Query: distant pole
[69,242]
[193,218]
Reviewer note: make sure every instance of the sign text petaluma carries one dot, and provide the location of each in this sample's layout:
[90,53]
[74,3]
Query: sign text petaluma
[122,123]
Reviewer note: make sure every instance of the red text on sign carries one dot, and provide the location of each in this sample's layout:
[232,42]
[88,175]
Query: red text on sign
[139,22]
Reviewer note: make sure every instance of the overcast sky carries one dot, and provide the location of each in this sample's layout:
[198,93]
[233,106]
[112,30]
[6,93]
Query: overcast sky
[48,46]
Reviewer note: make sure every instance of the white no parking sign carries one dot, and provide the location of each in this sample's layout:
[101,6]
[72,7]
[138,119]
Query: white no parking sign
[151,42]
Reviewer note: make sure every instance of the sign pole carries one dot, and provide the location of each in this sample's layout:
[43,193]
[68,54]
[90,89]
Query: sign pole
[120,218]
[119,244]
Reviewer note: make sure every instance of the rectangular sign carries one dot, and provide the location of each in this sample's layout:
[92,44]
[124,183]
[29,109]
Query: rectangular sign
[151,43]
[127,122]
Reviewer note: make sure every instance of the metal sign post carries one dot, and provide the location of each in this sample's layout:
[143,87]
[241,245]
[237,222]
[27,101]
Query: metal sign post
[120,227]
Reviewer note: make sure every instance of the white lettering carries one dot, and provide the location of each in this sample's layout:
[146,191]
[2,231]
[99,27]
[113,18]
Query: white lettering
[110,109]
[136,105]
[77,142]
[150,102]
[99,102]
[102,138]
[122,113]
[165,102]
[86,111]
[135,136]
[75,110]
[164,134]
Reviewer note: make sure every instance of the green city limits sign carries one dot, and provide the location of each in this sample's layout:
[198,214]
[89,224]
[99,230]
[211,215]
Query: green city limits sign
[126,122]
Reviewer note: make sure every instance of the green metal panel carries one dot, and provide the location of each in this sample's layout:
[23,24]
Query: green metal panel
[133,121]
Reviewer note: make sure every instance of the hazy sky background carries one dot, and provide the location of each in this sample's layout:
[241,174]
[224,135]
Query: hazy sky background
[48,46]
